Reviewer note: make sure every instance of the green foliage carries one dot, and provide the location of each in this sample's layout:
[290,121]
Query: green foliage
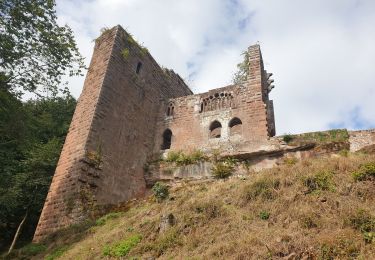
[223,169]
[290,160]
[125,53]
[113,215]
[264,215]
[28,157]
[365,172]
[181,158]
[35,52]
[123,247]
[288,138]
[336,135]
[172,156]
[364,222]
[242,69]
[264,188]
[57,253]
[95,157]
[321,181]
[344,153]
[143,51]
[161,191]
[131,40]
[33,249]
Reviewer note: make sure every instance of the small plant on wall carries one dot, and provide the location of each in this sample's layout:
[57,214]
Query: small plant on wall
[223,169]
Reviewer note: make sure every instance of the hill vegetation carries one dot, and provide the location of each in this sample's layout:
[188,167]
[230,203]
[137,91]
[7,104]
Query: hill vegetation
[314,209]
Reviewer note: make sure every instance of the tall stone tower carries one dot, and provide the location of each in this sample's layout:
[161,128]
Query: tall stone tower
[111,134]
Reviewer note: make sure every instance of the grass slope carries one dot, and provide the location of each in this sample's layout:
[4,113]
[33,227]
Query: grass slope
[316,209]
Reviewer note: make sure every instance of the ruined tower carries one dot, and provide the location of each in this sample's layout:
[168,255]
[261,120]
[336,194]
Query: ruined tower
[129,112]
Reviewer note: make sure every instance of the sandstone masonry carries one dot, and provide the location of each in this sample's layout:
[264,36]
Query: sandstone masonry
[131,111]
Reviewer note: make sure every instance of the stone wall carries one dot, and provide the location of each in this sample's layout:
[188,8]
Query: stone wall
[112,132]
[277,153]
[361,139]
[191,118]
[119,125]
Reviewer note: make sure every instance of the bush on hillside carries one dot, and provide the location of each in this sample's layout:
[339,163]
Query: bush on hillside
[365,172]
[161,191]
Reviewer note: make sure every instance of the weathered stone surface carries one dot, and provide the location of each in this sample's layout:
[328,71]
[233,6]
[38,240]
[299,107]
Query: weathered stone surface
[361,139]
[127,104]
[166,222]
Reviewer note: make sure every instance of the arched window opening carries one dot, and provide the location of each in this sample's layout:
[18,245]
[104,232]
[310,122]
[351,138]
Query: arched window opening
[217,101]
[170,109]
[139,66]
[215,129]
[167,139]
[235,126]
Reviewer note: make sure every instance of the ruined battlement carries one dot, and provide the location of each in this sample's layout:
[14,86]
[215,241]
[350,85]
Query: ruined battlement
[130,111]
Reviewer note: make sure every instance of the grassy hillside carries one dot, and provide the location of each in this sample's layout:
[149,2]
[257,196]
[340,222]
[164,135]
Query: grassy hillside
[316,209]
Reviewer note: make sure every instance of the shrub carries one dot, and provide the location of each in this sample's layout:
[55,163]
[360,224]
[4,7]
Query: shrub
[263,188]
[123,247]
[125,53]
[160,191]
[172,156]
[365,172]
[344,152]
[101,221]
[197,156]
[181,158]
[57,253]
[319,182]
[290,160]
[222,170]
[287,138]
[33,249]
[264,215]
[365,223]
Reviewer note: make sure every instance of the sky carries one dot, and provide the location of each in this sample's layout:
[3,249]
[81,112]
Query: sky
[322,53]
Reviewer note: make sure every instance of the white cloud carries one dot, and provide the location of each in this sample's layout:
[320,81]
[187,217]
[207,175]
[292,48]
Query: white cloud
[321,52]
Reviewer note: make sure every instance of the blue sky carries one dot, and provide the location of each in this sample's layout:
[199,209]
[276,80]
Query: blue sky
[322,53]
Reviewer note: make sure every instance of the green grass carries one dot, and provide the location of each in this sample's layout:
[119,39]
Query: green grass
[321,181]
[33,249]
[101,221]
[363,221]
[57,253]
[180,158]
[336,135]
[123,247]
[264,215]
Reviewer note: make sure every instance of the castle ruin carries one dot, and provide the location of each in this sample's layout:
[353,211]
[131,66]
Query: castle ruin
[130,111]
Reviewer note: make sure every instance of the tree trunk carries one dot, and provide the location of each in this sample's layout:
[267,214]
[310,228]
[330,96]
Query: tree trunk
[17,233]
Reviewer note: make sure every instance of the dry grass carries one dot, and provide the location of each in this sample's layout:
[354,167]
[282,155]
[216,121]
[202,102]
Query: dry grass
[269,215]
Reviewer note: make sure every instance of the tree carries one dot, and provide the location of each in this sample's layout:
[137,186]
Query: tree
[242,69]
[28,158]
[35,52]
